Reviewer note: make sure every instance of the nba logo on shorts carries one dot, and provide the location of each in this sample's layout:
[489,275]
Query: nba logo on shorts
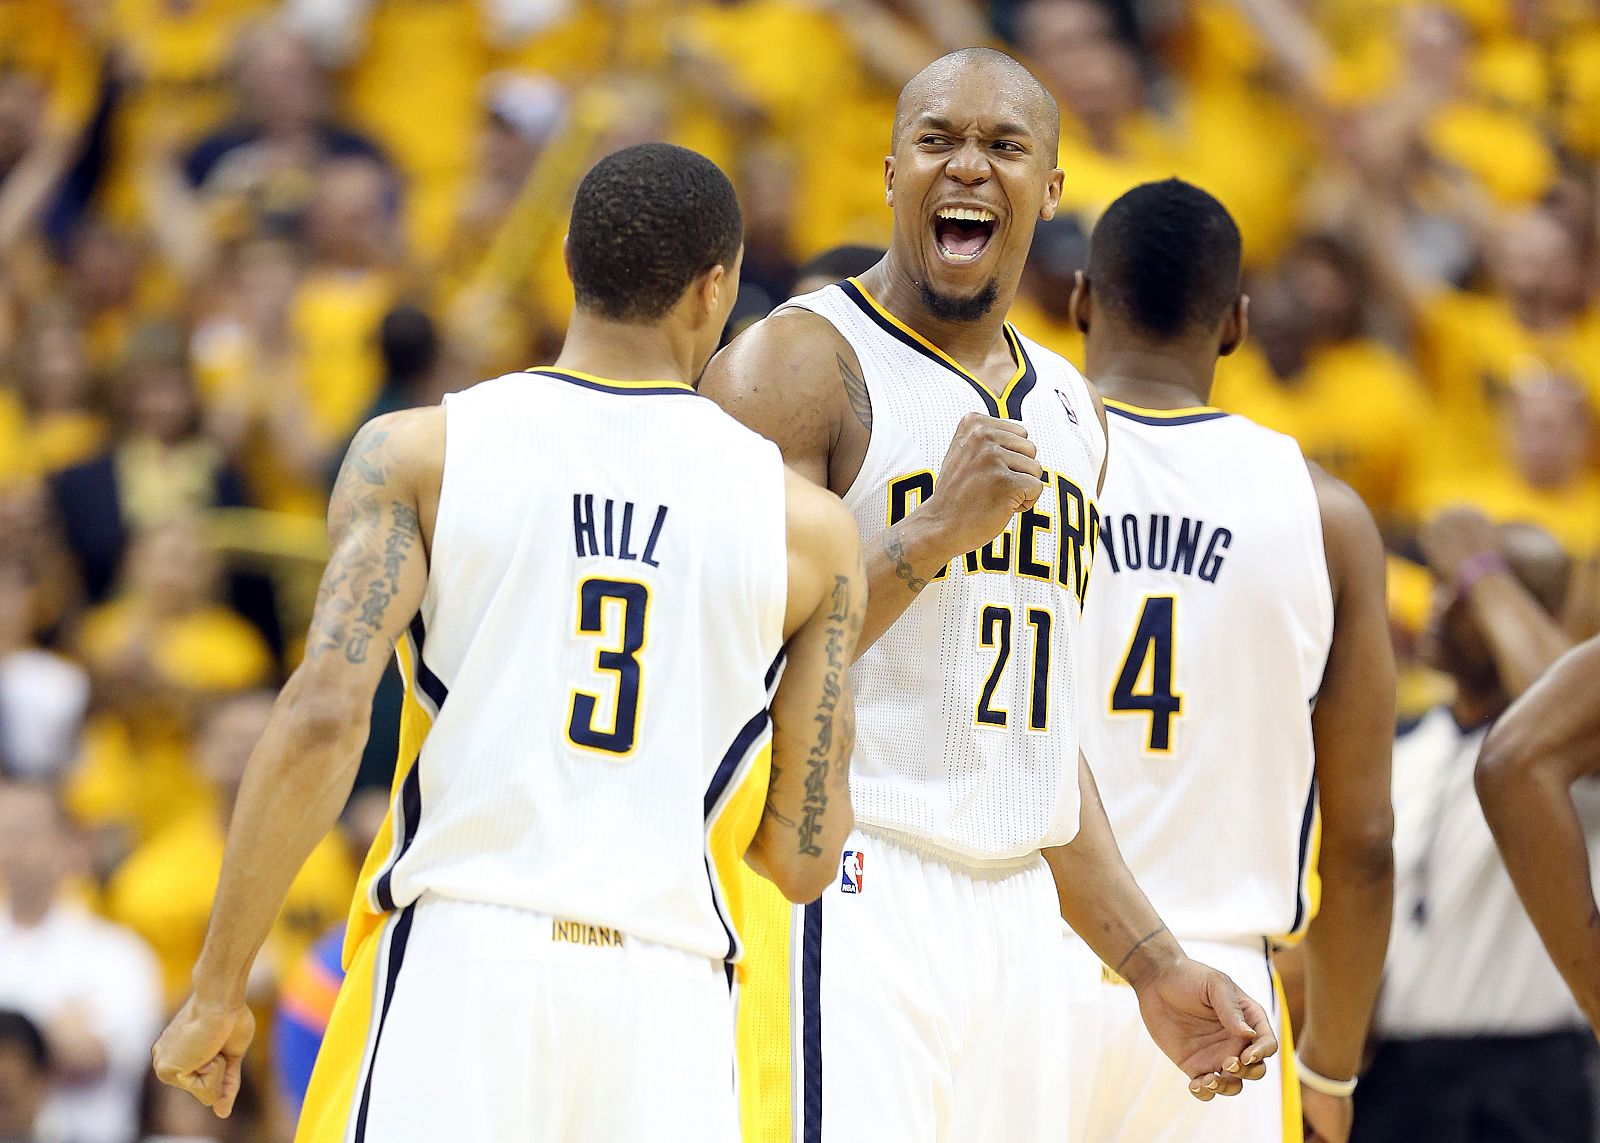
[854,862]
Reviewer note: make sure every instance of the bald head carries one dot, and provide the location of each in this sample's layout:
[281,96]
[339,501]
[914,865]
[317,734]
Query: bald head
[1009,79]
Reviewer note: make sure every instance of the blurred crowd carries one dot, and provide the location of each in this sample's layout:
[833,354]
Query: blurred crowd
[232,230]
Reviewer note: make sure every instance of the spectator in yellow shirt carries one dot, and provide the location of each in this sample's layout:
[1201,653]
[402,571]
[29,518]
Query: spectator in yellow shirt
[1549,425]
[268,157]
[65,423]
[160,466]
[159,652]
[1110,140]
[164,890]
[1352,403]
[1471,345]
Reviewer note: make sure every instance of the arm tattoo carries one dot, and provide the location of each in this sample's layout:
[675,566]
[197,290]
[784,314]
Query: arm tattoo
[1137,945]
[842,616]
[855,387]
[369,553]
[896,551]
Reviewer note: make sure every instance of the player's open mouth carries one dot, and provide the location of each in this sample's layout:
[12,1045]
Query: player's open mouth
[962,232]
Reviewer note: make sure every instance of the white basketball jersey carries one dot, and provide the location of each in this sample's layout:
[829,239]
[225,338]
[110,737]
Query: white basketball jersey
[1210,619]
[589,676]
[967,727]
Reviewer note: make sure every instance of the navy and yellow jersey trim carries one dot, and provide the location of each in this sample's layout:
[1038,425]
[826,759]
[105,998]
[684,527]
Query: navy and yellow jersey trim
[612,385]
[425,695]
[1308,882]
[339,1098]
[1006,403]
[734,802]
[1189,416]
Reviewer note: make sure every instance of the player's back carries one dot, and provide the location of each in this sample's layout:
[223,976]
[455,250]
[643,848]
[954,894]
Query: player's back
[1210,618]
[589,675]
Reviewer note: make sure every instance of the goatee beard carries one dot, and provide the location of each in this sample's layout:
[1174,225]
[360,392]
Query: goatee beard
[966,309]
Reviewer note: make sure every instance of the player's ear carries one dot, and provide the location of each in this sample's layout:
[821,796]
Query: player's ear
[1236,327]
[712,283]
[1079,304]
[1052,194]
[566,255]
[888,180]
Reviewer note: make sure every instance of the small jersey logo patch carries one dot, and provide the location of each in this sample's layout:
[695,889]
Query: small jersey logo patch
[854,862]
[1067,405]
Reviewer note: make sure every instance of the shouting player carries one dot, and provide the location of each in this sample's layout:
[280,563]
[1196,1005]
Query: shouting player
[926,1002]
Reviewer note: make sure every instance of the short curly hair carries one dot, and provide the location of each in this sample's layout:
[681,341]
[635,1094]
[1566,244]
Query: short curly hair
[646,222]
[1166,256]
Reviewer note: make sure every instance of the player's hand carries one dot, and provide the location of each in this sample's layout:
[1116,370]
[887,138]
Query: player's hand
[1452,538]
[1328,1118]
[1206,1025]
[202,1052]
[989,475]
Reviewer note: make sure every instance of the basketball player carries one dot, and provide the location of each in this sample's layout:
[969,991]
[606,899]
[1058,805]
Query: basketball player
[926,1002]
[1548,740]
[589,613]
[1242,669]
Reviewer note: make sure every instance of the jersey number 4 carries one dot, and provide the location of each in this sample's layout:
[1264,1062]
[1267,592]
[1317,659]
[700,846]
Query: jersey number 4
[1144,685]
[614,612]
[994,630]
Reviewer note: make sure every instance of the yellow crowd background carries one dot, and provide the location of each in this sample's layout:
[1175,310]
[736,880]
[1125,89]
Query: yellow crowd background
[231,230]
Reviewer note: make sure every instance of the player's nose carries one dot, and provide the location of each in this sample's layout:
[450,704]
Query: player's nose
[969,165]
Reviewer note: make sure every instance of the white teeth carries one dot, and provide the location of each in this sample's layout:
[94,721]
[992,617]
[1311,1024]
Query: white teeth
[967,214]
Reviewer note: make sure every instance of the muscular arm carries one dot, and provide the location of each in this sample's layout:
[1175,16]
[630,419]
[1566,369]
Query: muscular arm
[301,772]
[808,812]
[794,379]
[1216,1034]
[1099,897]
[1545,742]
[1353,730]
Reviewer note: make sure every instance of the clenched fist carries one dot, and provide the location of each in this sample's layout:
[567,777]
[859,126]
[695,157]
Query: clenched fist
[990,474]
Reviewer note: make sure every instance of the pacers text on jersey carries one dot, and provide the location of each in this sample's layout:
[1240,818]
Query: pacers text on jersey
[1024,547]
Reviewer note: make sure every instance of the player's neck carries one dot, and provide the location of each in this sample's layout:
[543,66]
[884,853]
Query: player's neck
[1148,379]
[969,342]
[626,351]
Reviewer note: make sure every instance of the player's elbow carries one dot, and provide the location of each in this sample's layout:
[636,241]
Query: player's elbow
[323,713]
[802,872]
[1362,851]
[1504,762]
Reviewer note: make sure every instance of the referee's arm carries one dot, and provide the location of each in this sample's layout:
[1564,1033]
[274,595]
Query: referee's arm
[1547,741]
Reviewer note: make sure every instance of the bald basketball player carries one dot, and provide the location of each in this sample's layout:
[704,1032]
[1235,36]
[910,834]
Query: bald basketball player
[926,983]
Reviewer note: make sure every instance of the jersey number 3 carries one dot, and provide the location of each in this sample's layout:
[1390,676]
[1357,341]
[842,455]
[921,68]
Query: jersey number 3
[613,611]
[1144,685]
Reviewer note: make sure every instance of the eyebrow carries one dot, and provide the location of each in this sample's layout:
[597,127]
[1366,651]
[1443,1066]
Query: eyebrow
[1000,130]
